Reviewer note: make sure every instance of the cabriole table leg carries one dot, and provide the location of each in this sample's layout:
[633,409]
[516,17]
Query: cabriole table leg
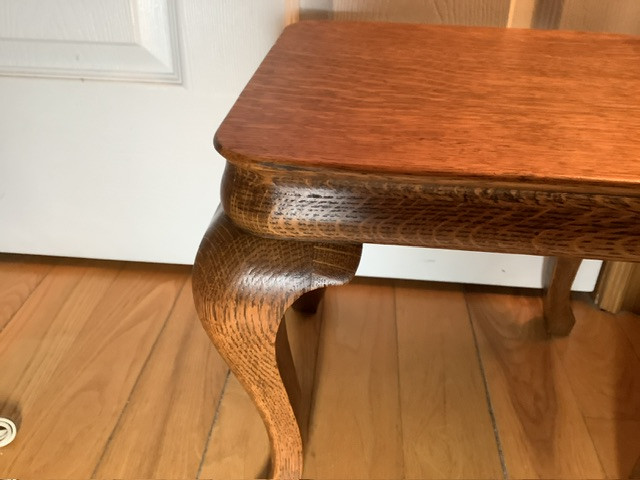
[242,286]
[558,276]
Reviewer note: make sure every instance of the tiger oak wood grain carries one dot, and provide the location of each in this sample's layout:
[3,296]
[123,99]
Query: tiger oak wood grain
[410,210]
[465,102]
[238,446]
[242,286]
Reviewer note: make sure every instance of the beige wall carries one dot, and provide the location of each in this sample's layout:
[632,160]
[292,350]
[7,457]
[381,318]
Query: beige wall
[619,16]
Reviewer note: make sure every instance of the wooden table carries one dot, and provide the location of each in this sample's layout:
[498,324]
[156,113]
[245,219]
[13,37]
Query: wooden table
[498,140]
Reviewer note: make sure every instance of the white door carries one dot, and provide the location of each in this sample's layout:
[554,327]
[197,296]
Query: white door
[107,114]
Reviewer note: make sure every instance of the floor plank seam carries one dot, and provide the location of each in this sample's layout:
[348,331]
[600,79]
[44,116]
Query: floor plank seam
[312,398]
[25,300]
[499,326]
[213,425]
[27,367]
[597,452]
[395,325]
[135,384]
[485,383]
[624,335]
[13,315]
[576,394]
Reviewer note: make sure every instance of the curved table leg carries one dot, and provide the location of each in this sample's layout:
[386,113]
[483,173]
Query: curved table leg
[242,285]
[558,276]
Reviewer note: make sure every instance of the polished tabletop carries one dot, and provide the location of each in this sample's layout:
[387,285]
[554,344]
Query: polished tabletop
[521,106]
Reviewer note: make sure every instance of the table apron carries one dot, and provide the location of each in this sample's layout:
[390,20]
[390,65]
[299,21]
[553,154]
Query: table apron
[351,208]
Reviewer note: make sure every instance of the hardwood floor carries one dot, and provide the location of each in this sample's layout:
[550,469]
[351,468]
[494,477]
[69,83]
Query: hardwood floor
[109,374]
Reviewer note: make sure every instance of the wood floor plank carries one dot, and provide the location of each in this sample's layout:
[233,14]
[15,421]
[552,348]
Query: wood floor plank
[630,324]
[603,370]
[604,374]
[238,447]
[44,330]
[77,406]
[19,276]
[446,422]
[166,423]
[356,429]
[542,430]
[618,444]
[304,336]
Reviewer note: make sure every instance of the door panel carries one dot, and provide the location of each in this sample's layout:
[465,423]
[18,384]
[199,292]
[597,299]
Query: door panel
[118,40]
[124,168]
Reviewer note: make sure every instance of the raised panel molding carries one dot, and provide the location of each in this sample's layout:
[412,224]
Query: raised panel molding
[148,51]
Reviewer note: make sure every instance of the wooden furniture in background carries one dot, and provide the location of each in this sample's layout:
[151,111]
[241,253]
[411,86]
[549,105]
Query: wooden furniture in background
[618,287]
[452,137]
[614,16]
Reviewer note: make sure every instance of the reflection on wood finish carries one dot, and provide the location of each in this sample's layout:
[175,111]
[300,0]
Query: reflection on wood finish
[542,430]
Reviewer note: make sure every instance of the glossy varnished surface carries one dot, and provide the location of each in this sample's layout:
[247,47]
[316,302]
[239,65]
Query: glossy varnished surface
[518,105]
